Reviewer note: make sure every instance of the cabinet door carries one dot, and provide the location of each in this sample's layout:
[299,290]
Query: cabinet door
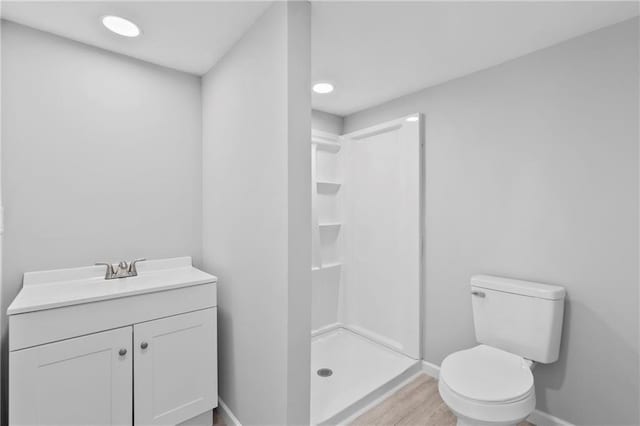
[175,368]
[81,381]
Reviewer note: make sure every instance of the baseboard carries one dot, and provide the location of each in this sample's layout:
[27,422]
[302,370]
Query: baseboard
[538,418]
[430,369]
[227,415]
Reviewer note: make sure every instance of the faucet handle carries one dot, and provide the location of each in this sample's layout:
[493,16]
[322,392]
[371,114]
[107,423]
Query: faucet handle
[132,266]
[123,270]
[110,272]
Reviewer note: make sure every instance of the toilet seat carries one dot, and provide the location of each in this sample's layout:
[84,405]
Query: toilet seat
[487,374]
[488,385]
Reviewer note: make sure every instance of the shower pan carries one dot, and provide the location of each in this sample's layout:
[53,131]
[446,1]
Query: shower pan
[367,232]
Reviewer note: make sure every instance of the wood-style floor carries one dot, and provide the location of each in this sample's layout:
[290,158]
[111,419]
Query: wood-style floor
[217,418]
[416,404]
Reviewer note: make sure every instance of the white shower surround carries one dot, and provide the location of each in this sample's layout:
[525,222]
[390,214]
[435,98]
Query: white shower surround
[366,263]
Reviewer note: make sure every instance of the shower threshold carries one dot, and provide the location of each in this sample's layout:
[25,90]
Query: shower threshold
[348,372]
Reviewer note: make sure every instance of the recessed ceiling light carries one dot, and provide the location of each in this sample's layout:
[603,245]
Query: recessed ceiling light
[323,87]
[412,118]
[121,26]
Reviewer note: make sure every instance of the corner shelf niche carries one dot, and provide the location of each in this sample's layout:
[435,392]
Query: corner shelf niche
[325,144]
[329,225]
[326,187]
[327,192]
[327,266]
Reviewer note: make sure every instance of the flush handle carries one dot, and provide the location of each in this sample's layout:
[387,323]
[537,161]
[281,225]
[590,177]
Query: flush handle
[478,293]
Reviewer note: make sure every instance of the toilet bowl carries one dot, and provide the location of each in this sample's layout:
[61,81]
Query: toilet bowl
[487,386]
[516,323]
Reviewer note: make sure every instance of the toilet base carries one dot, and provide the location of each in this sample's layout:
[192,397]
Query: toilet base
[476,413]
[464,421]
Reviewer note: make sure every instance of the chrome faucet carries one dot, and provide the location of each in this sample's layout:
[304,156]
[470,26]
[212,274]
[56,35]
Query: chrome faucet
[122,270]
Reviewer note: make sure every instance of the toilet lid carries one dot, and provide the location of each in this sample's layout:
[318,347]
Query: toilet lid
[487,374]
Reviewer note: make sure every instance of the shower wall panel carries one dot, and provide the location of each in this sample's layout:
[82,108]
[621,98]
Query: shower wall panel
[383,234]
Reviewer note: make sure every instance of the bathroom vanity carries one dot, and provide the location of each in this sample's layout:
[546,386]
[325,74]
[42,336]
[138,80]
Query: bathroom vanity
[139,350]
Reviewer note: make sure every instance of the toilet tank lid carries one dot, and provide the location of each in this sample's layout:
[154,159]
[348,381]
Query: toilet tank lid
[520,287]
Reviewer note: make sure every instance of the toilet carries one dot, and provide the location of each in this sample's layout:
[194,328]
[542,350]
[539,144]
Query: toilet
[517,324]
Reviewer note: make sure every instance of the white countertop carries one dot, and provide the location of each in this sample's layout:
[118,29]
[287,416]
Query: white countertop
[66,287]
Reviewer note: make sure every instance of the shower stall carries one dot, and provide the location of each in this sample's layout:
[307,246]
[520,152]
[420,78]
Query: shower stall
[367,236]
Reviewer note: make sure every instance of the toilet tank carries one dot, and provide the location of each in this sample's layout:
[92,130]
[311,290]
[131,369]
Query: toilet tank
[521,317]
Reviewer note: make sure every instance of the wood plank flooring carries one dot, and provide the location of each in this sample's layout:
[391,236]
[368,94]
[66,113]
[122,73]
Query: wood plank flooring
[416,404]
[217,418]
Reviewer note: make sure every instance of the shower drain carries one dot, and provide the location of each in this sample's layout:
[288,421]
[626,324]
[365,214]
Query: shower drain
[325,372]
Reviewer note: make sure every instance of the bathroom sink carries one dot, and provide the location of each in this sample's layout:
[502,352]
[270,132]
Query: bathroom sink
[66,287]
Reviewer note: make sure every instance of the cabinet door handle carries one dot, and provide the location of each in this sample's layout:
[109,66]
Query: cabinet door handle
[122,352]
[144,345]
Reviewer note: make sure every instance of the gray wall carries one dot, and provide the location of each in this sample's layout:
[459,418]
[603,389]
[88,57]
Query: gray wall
[257,216]
[100,157]
[326,122]
[532,172]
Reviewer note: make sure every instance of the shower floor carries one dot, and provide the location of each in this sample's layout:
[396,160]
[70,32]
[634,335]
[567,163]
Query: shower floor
[361,371]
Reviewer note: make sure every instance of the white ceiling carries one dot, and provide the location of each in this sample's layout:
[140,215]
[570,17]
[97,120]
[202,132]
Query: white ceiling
[377,51]
[372,51]
[187,36]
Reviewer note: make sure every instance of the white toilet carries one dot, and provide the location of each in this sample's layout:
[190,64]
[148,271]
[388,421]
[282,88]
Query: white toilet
[517,323]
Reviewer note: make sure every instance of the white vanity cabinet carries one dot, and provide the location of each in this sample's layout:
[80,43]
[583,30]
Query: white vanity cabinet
[80,381]
[89,351]
[174,377]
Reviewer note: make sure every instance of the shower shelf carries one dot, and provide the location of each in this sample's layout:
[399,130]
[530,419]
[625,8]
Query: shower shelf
[329,225]
[326,186]
[327,266]
[326,145]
